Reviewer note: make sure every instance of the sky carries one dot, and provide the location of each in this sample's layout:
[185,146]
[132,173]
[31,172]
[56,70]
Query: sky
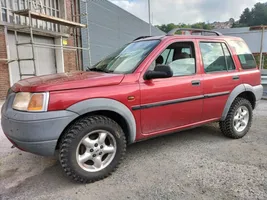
[186,11]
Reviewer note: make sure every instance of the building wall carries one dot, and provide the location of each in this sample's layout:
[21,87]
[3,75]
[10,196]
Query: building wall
[252,38]
[110,27]
[70,57]
[4,74]
[65,60]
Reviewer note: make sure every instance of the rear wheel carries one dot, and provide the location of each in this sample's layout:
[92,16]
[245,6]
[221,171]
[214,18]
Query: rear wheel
[239,119]
[92,148]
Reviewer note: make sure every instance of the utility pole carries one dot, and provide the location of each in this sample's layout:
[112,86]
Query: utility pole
[149,18]
[261,47]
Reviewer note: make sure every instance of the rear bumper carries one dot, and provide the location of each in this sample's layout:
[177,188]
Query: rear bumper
[258,92]
[37,133]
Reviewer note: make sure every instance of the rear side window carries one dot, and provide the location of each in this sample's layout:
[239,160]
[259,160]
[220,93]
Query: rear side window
[216,57]
[245,56]
[228,57]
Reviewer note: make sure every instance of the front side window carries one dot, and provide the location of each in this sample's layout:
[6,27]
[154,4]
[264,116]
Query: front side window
[126,59]
[180,56]
[216,57]
[245,56]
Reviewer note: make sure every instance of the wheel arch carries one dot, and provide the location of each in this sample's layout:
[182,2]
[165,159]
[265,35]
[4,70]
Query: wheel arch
[245,91]
[109,108]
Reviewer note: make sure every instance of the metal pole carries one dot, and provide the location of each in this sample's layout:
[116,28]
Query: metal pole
[32,44]
[18,57]
[88,33]
[149,18]
[51,45]
[261,48]
[75,34]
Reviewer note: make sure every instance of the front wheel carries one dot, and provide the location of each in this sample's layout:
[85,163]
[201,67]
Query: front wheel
[239,119]
[92,148]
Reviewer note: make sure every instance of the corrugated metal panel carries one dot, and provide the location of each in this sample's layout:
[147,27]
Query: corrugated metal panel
[110,27]
[44,57]
[252,38]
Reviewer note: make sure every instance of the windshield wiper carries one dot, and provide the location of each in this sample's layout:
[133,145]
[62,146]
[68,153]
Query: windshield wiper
[100,70]
[96,69]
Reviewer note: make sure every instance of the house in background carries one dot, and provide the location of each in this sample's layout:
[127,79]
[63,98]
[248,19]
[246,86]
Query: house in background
[223,25]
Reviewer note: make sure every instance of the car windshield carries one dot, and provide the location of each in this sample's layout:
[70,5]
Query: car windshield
[126,59]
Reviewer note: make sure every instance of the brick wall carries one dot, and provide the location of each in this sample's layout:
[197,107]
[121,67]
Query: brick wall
[4,74]
[70,57]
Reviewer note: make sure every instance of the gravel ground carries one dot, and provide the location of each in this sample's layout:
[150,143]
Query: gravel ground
[195,164]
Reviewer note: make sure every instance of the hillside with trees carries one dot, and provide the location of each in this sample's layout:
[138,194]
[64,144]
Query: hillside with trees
[253,17]
[250,17]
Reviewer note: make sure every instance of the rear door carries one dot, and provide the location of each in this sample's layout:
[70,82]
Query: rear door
[220,77]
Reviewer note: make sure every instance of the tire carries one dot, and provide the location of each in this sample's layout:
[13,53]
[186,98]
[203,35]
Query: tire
[83,149]
[229,126]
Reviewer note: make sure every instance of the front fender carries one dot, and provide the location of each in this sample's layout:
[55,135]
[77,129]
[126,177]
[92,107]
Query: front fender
[105,104]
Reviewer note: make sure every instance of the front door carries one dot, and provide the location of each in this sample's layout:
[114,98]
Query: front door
[167,104]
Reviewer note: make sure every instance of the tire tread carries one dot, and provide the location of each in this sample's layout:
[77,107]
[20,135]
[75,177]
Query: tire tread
[226,125]
[72,132]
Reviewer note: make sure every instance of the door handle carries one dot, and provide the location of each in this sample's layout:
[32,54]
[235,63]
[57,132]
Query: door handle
[236,77]
[196,83]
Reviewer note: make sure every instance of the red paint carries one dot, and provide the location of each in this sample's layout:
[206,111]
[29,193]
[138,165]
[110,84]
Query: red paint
[68,89]
[67,81]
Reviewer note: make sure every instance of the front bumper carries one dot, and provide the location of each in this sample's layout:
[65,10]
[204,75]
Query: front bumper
[37,133]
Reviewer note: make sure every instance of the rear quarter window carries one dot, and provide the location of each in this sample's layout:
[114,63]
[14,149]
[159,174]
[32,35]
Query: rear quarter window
[244,54]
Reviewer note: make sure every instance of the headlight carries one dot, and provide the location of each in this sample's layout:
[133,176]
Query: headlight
[32,102]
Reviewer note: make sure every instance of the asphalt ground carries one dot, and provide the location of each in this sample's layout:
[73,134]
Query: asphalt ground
[194,164]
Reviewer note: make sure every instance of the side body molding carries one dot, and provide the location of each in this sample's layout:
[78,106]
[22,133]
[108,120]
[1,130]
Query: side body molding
[101,104]
[256,90]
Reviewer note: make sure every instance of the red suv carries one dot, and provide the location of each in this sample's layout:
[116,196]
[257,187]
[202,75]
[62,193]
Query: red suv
[152,86]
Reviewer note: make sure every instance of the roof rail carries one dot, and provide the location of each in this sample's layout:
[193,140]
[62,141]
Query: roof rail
[173,31]
[141,37]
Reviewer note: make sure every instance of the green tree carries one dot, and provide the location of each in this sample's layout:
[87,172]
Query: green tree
[249,17]
[168,27]
[246,17]
[259,14]
[254,17]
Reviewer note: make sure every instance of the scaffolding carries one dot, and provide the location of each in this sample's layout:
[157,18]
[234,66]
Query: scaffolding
[32,14]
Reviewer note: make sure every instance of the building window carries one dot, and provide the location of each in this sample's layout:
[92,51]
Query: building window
[48,7]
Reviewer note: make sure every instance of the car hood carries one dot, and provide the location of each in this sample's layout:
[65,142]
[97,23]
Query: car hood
[66,81]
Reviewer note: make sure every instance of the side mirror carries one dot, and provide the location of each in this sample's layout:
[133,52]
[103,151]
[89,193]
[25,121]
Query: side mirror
[160,71]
